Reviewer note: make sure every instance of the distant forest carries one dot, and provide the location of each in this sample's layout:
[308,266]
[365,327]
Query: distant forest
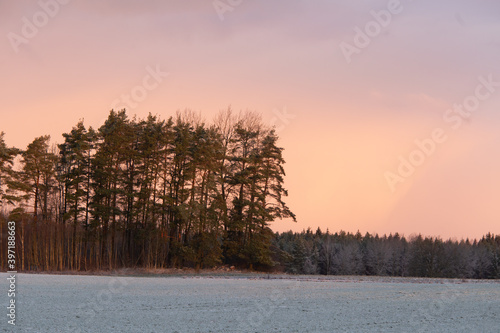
[179,192]
[354,254]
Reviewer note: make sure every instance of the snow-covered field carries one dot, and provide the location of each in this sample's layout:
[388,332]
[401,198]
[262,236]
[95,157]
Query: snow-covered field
[65,303]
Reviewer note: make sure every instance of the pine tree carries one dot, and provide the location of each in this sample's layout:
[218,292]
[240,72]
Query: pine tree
[38,175]
[75,159]
[113,169]
[31,187]
[257,177]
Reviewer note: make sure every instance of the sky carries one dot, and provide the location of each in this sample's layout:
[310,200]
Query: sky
[388,111]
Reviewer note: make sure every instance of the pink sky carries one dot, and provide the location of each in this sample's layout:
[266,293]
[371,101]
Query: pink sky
[349,121]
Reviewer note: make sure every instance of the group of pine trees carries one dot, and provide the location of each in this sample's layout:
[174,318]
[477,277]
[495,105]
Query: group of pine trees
[145,193]
[179,192]
[353,254]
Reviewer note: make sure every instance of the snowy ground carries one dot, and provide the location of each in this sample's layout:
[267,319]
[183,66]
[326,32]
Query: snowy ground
[65,303]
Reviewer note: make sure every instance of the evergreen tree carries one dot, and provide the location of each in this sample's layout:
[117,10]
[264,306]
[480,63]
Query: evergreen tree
[38,175]
[113,169]
[75,174]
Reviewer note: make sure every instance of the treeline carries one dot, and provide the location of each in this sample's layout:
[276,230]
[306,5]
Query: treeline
[145,193]
[353,254]
[179,192]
